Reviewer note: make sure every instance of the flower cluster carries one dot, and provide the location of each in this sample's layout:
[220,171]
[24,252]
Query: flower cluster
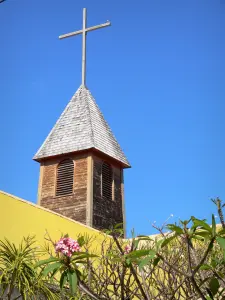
[127,249]
[67,246]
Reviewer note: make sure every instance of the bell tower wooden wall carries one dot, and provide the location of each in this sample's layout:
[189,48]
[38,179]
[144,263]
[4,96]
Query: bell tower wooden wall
[107,212]
[95,200]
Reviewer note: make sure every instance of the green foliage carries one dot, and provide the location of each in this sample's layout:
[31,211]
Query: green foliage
[214,286]
[17,270]
[188,262]
[66,268]
[175,228]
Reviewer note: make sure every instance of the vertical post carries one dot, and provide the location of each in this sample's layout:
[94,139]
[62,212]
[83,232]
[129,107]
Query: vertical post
[123,203]
[89,212]
[84,47]
[40,183]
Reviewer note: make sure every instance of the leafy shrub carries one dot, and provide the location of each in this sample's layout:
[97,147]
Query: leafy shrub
[184,261]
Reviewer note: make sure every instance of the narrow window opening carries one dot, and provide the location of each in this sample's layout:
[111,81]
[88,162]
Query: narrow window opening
[107,181]
[65,177]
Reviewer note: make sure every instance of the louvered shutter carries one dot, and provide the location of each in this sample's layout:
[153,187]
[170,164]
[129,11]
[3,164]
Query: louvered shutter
[106,181]
[65,174]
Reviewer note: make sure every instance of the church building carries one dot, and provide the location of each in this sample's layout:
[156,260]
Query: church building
[81,162]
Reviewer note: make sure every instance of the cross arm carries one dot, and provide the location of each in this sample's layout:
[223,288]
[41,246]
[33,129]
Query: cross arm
[63,36]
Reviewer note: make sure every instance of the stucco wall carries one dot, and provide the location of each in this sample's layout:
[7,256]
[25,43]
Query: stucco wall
[19,218]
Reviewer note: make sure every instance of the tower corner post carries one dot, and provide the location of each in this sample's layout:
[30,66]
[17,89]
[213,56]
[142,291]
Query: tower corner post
[89,211]
[123,204]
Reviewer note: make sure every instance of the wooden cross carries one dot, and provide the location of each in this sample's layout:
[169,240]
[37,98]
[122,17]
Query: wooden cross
[84,34]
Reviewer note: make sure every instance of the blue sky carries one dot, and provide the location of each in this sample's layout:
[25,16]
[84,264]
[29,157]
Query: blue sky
[158,75]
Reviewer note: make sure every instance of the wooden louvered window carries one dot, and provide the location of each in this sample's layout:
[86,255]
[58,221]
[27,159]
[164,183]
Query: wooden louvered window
[65,176]
[107,181]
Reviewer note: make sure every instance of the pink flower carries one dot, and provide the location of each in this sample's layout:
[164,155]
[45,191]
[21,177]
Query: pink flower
[127,249]
[67,246]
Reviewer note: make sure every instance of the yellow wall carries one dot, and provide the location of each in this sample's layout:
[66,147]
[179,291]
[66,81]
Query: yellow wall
[20,218]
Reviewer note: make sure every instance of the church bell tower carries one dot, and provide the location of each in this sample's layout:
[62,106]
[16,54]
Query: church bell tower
[81,163]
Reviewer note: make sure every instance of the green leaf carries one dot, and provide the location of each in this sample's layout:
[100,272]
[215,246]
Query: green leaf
[80,253]
[79,257]
[175,228]
[221,232]
[167,241]
[63,279]
[200,223]
[145,261]
[156,261]
[205,267]
[83,262]
[46,261]
[220,274]
[144,238]
[82,256]
[107,231]
[214,286]
[221,242]
[140,253]
[185,222]
[116,259]
[197,237]
[128,262]
[213,263]
[118,226]
[203,233]
[110,254]
[159,244]
[81,241]
[72,276]
[51,268]
[213,226]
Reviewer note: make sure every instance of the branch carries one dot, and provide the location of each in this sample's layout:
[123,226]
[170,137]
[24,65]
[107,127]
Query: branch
[209,248]
[132,269]
[90,293]
[172,266]
[219,205]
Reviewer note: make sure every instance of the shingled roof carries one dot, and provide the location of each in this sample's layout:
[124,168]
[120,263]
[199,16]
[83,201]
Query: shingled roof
[81,126]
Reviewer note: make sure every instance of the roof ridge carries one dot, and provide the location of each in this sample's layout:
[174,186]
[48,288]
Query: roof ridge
[90,118]
[106,124]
